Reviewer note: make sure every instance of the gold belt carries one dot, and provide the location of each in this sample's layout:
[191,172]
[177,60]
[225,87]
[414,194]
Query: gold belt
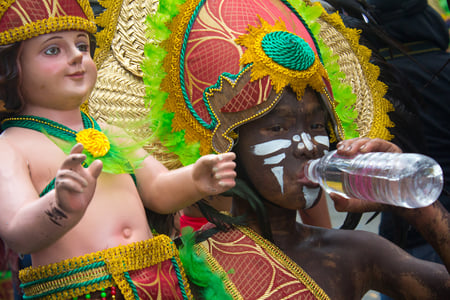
[78,276]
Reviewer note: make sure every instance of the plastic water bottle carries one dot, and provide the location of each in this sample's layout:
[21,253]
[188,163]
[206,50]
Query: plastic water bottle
[402,179]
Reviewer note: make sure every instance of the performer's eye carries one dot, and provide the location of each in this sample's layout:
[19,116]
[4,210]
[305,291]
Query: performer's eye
[317,126]
[277,128]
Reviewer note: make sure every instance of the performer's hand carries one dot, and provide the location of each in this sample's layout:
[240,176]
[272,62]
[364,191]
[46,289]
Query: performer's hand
[74,184]
[343,204]
[352,147]
[214,174]
[365,145]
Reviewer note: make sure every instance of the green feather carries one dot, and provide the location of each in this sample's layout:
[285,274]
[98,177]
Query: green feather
[198,271]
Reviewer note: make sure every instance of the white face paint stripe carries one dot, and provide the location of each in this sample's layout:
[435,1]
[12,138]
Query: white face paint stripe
[301,146]
[270,147]
[310,195]
[278,172]
[274,159]
[322,139]
[307,141]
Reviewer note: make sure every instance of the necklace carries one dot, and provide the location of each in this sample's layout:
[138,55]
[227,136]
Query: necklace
[91,137]
[117,158]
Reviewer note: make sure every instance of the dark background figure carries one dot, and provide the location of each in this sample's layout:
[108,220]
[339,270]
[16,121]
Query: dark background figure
[426,63]
[410,41]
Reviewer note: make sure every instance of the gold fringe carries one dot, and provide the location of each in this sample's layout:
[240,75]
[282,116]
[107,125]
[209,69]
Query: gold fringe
[354,61]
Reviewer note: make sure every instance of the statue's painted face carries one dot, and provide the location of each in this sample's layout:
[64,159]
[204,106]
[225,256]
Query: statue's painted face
[274,149]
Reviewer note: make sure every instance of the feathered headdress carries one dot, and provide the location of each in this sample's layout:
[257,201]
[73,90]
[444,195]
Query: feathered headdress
[212,66]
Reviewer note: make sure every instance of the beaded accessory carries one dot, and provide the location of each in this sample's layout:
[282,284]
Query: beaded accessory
[24,19]
[81,276]
[93,140]
[225,63]
[116,158]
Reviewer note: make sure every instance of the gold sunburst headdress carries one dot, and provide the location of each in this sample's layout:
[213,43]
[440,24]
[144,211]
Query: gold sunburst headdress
[225,63]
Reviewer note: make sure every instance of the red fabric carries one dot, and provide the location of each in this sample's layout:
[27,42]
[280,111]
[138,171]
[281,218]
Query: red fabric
[211,49]
[157,282]
[257,274]
[28,11]
[195,223]
[253,93]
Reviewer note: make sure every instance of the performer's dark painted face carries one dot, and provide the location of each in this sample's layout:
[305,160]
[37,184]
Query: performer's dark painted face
[274,149]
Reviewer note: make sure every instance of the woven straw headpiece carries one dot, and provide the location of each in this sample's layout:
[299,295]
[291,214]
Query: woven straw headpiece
[118,95]
[24,19]
[228,62]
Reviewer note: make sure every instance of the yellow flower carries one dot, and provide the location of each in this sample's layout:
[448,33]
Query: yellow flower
[94,141]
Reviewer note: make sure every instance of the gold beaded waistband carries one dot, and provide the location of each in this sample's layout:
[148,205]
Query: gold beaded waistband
[95,271]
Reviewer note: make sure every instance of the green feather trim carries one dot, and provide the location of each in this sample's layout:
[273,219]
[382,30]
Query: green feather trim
[152,67]
[119,159]
[197,270]
[344,98]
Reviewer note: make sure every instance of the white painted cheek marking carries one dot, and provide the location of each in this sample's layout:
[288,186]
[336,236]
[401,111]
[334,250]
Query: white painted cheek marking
[274,159]
[270,147]
[296,138]
[310,195]
[322,139]
[301,146]
[307,140]
[278,172]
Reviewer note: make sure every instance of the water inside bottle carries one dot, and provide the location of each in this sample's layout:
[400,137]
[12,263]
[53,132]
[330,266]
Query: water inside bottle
[376,182]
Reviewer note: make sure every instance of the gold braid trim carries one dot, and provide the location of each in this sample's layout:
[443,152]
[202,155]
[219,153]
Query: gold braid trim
[68,278]
[183,119]
[49,25]
[86,7]
[108,21]
[184,277]
[372,107]
[4,5]
[288,263]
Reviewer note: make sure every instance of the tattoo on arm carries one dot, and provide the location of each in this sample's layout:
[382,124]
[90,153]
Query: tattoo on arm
[55,214]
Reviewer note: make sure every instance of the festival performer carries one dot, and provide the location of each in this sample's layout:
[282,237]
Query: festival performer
[73,191]
[279,83]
